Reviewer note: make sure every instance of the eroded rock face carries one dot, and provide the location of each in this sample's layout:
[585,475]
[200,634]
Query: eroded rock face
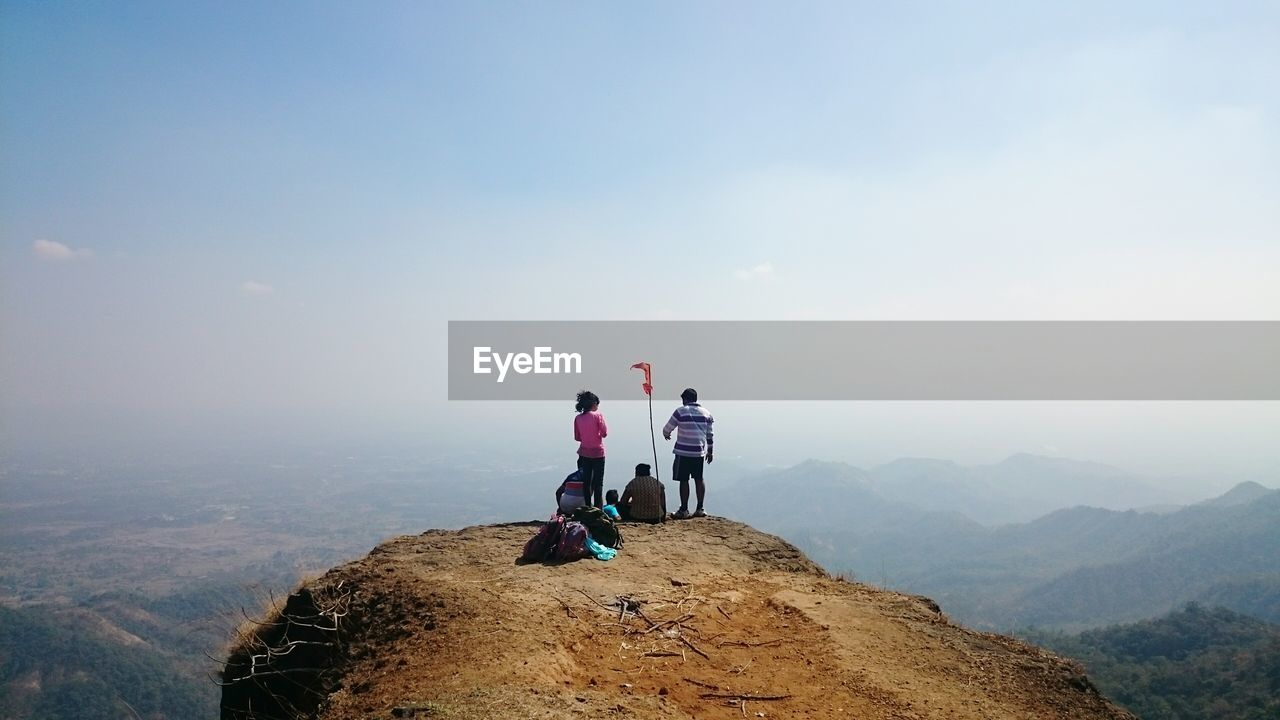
[447,624]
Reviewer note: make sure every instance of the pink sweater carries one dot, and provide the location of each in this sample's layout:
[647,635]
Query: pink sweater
[590,430]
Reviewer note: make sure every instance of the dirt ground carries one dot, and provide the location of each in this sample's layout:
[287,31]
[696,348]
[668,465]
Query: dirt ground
[703,618]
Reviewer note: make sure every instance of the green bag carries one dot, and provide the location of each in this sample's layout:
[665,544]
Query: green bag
[602,527]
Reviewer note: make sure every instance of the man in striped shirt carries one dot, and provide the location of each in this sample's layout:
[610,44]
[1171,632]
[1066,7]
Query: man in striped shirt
[694,439]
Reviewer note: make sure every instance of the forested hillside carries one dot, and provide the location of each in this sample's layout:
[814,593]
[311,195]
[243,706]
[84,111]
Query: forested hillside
[1193,664]
[63,665]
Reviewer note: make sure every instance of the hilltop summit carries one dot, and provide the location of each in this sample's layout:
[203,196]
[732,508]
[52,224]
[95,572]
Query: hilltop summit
[1243,493]
[704,618]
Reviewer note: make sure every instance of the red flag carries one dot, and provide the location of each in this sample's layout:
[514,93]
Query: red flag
[648,381]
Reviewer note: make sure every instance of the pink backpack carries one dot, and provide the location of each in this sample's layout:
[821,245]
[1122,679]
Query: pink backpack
[573,542]
[542,546]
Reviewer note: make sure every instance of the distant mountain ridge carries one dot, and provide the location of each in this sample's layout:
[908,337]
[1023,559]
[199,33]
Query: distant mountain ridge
[1018,489]
[1185,556]
[1072,568]
[1245,492]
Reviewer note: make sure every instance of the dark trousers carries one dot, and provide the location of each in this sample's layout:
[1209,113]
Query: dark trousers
[592,479]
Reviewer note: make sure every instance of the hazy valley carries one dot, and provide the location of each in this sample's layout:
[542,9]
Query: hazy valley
[136,576]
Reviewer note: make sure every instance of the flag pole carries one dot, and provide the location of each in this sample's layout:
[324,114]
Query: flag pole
[653,439]
[648,390]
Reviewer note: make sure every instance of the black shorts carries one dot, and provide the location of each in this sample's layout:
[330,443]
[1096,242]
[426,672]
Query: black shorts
[686,467]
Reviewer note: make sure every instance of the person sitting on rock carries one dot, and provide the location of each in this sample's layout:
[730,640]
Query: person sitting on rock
[571,494]
[644,499]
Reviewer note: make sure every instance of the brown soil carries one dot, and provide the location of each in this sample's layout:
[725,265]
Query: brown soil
[445,624]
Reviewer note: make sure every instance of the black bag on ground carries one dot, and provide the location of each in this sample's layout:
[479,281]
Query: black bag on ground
[602,527]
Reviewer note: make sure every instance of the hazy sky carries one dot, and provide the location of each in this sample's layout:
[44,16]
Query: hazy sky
[257,217]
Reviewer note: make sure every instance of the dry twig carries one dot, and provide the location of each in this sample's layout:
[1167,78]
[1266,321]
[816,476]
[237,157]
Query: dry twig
[597,602]
[568,610]
[693,647]
[741,696]
[743,643]
[659,624]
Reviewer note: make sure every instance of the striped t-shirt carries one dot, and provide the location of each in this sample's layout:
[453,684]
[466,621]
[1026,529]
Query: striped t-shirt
[573,496]
[692,423]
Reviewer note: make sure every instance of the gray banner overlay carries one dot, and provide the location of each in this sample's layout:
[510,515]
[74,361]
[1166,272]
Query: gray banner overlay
[858,360]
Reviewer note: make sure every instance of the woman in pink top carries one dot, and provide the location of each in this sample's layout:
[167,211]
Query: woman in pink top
[590,430]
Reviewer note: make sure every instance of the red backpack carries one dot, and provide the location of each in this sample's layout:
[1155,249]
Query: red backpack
[573,542]
[542,546]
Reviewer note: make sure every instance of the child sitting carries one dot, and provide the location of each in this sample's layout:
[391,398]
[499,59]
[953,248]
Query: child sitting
[611,505]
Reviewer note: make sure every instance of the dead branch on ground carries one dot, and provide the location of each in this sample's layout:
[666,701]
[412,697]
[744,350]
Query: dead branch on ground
[741,696]
[743,643]
[693,647]
[568,610]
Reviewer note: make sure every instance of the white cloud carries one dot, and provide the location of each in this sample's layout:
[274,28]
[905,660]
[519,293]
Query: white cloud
[57,252]
[762,272]
[253,288]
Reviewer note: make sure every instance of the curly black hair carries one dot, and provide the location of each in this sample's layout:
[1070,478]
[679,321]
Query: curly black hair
[586,401]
